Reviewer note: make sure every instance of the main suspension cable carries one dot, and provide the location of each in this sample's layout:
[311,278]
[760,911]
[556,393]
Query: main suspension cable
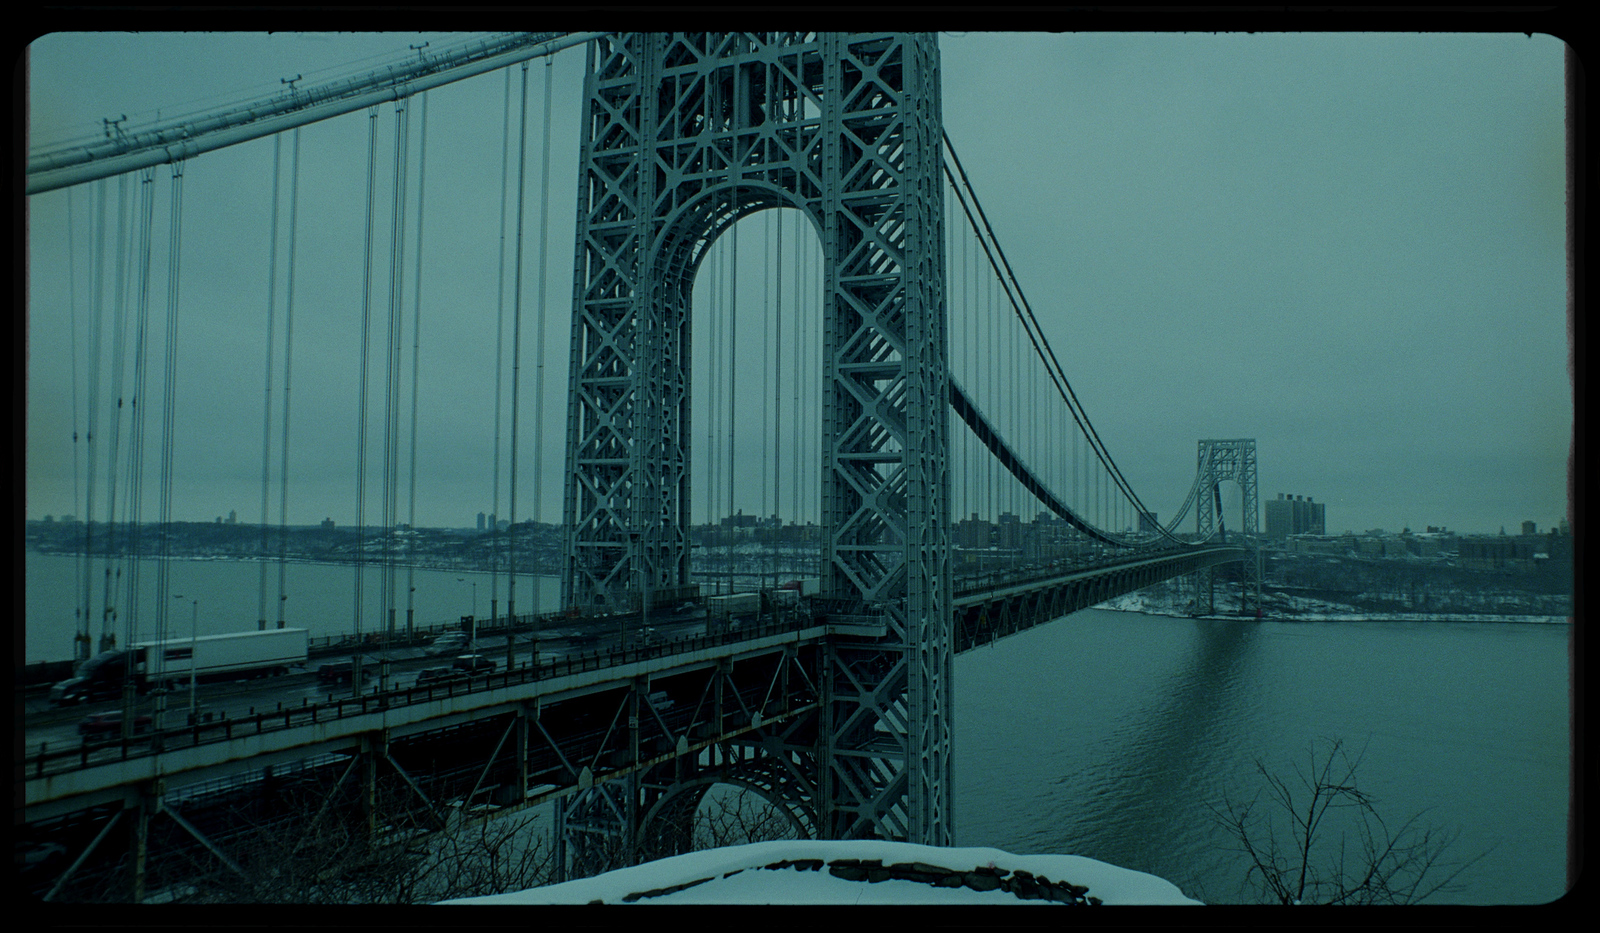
[1036,334]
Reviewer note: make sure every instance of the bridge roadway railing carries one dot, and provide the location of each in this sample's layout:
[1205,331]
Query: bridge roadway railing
[418,636]
[39,675]
[980,599]
[49,771]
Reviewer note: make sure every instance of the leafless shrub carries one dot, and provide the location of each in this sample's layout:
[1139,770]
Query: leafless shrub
[491,856]
[1319,839]
[736,818]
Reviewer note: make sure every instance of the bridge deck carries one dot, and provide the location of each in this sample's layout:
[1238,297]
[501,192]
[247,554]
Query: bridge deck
[986,608]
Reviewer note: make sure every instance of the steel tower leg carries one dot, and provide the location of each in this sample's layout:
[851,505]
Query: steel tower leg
[684,134]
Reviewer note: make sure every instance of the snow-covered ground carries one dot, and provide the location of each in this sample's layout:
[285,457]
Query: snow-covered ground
[747,875]
[1305,609]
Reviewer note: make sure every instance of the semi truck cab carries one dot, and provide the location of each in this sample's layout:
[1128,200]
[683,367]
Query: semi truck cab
[99,677]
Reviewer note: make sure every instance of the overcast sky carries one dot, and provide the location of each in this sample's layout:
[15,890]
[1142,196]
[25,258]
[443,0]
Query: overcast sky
[1348,247]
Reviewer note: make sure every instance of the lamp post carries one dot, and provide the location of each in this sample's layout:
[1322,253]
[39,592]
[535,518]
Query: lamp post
[474,594]
[194,638]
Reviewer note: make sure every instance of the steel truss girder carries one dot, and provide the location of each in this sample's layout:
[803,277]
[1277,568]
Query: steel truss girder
[683,134]
[981,621]
[710,725]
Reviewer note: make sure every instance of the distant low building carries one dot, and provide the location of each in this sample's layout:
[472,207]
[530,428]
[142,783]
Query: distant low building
[1369,546]
[1426,546]
[1505,552]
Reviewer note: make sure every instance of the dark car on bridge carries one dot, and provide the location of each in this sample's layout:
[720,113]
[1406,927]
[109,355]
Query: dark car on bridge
[437,675]
[105,725]
[341,672]
[473,664]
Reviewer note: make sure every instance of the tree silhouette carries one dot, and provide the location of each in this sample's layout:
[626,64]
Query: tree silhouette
[1318,838]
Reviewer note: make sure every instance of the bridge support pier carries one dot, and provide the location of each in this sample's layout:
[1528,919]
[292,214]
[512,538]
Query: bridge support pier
[1235,460]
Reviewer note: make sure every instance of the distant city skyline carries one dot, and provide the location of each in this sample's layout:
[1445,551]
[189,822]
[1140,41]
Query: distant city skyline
[1520,527]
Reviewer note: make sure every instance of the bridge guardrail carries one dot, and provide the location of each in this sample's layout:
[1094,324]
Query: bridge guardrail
[223,728]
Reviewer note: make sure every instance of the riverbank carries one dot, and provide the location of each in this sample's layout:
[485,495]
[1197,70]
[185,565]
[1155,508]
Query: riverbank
[1302,609]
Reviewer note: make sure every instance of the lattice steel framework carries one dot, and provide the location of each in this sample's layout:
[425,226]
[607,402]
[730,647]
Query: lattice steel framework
[1218,460]
[683,135]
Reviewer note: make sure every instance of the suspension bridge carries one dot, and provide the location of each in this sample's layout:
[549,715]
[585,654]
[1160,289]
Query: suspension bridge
[904,399]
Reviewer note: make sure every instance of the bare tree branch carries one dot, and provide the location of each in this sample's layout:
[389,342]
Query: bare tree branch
[1313,862]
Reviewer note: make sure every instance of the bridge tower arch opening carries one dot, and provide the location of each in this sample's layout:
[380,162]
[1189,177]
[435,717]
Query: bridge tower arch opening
[755,385]
[683,134]
[1218,461]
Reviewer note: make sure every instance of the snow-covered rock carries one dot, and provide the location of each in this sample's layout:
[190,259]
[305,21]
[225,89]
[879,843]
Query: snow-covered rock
[856,872]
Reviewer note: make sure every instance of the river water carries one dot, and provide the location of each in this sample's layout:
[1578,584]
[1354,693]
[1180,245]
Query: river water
[1112,734]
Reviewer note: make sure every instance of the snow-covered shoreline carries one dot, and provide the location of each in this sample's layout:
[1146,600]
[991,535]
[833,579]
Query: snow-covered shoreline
[1309,610]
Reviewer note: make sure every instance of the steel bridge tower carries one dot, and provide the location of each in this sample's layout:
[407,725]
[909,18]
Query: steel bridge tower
[682,136]
[1236,460]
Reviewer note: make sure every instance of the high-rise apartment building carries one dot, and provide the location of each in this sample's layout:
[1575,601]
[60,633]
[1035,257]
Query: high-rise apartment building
[1295,515]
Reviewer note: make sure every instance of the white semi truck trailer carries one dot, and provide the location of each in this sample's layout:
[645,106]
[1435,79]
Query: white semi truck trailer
[234,656]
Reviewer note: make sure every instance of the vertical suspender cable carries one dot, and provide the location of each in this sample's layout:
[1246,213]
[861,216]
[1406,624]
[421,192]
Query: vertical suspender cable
[800,367]
[108,618]
[80,621]
[416,372]
[80,617]
[136,439]
[544,253]
[766,338]
[96,319]
[777,397]
[361,434]
[713,375]
[544,267]
[996,372]
[516,359]
[391,401]
[733,330]
[499,360]
[266,408]
[978,330]
[168,428]
[288,350]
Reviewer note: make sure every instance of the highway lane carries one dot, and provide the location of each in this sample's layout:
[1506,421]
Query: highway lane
[53,727]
